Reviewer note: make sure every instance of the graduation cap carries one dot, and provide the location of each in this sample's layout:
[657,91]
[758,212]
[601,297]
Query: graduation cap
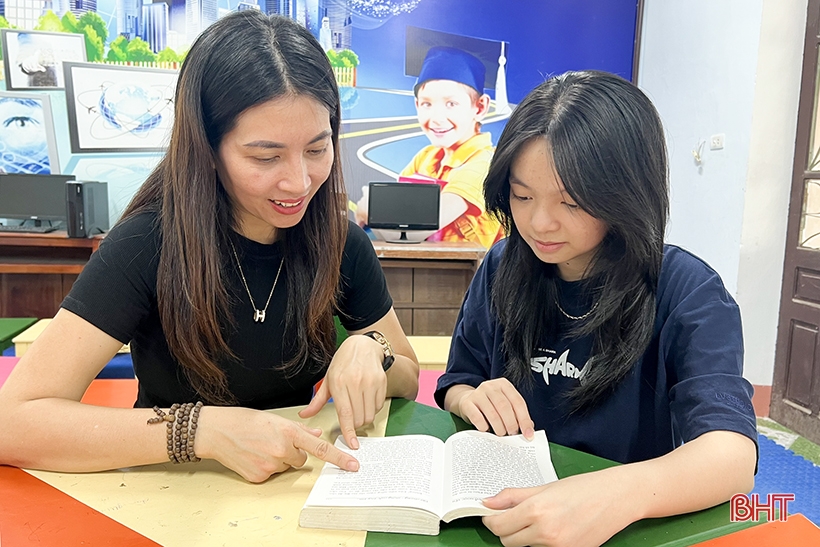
[449,63]
[435,55]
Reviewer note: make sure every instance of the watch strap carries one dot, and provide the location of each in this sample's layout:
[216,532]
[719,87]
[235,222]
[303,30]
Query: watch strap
[387,349]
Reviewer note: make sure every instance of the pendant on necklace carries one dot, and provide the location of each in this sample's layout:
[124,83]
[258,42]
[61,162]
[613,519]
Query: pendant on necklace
[259,316]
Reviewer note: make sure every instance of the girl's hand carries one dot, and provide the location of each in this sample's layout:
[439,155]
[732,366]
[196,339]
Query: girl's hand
[259,444]
[494,404]
[358,384]
[578,511]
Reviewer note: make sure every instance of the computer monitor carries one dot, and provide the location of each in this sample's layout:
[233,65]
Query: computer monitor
[33,197]
[403,206]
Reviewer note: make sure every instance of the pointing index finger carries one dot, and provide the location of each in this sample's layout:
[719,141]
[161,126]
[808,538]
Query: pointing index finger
[347,419]
[325,451]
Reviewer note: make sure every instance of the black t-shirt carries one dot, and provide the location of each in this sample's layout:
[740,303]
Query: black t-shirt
[117,293]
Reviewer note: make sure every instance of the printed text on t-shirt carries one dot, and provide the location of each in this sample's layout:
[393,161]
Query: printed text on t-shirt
[553,366]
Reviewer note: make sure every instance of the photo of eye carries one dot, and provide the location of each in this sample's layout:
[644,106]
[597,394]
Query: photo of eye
[27,143]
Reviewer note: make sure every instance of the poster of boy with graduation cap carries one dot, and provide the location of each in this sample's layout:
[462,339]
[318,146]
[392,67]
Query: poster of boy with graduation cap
[433,82]
[451,103]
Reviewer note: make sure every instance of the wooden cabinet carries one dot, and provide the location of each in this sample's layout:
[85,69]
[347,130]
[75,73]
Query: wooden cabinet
[37,271]
[427,281]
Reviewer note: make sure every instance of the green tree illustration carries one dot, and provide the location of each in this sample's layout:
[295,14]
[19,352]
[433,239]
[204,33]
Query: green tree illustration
[344,58]
[349,58]
[49,22]
[168,55]
[94,46]
[116,50]
[96,32]
[93,20]
[138,50]
[69,23]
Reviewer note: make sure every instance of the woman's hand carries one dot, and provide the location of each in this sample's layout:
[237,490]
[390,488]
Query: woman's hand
[259,444]
[358,384]
[578,511]
[494,404]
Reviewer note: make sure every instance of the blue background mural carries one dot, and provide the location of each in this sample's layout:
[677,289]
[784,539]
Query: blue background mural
[381,131]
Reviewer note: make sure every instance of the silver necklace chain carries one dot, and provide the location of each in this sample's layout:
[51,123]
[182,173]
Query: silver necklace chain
[258,315]
[574,317]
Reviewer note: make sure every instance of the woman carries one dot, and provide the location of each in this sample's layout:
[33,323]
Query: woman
[224,273]
[584,324]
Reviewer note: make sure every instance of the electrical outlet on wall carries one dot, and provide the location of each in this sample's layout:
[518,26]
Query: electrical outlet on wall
[716,141]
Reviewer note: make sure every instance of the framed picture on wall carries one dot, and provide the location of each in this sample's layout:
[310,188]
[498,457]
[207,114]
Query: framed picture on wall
[27,141]
[119,108]
[33,59]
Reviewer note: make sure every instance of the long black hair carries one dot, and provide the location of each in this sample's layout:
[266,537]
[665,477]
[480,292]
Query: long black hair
[242,60]
[608,148]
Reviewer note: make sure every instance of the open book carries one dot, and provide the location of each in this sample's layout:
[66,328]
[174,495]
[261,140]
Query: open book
[409,483]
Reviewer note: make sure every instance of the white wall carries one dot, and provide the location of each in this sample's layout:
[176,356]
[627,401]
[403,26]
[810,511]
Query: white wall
[697,63]
[768,181]
[730,67]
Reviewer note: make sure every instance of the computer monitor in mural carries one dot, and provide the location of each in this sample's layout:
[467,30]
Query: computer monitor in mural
[27,141]
[33,59]
[403,206]
[119,108]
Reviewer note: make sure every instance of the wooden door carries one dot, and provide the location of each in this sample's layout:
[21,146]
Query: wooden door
[796,387]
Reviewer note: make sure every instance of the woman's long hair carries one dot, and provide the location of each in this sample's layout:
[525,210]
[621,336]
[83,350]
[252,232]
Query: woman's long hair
[608,149]
[241,61]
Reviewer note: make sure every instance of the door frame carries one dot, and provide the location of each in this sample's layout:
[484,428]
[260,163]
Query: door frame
[797,311]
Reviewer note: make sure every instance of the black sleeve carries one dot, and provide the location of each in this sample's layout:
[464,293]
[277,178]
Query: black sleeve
[364,298]
[117,288]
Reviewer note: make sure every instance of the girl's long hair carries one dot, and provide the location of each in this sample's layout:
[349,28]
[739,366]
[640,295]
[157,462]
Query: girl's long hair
[241,61]
[608,148]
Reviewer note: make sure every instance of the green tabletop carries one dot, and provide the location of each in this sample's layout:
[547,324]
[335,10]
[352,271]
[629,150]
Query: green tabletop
[407,418]
[11,327]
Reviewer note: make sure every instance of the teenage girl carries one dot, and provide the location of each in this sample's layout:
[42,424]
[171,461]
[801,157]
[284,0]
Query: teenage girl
[584,324]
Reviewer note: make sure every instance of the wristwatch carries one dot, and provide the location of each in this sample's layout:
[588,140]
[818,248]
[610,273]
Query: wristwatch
[389,357]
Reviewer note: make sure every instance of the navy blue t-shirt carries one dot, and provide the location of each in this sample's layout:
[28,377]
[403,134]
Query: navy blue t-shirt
[689,380]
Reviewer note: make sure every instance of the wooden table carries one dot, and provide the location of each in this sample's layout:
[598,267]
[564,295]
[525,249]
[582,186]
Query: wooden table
[205,504]
[37,270]
[428,281]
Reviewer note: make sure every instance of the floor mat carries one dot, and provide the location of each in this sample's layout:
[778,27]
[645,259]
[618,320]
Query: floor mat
[781,471]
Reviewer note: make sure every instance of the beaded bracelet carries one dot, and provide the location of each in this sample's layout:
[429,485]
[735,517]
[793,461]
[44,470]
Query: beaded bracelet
[181,422]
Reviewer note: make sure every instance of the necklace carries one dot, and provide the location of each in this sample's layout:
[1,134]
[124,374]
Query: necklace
[574,317]
[258,315]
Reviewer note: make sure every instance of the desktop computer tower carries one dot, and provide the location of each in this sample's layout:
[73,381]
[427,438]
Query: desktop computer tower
[86,208]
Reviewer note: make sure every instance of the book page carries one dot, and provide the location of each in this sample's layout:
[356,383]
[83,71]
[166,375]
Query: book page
[402,471]
[482,464]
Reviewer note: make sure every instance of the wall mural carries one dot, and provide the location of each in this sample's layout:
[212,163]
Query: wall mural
[119,108]
[27,140]
[426,85]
